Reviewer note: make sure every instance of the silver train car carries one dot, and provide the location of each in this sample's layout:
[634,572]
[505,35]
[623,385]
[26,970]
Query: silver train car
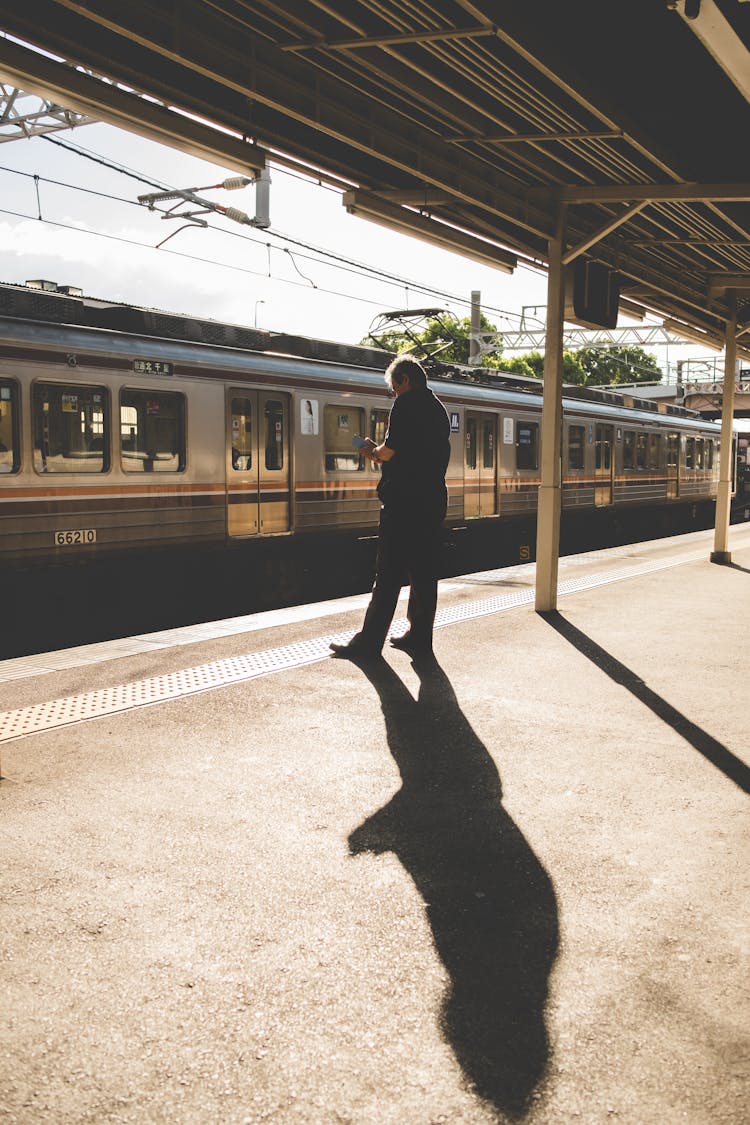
[124,430]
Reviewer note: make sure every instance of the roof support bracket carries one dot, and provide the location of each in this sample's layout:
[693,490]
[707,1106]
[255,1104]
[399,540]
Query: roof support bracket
[598,235]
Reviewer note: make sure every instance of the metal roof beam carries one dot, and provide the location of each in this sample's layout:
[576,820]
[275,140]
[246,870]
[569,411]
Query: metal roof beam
[720,39]
[445,33]
[651,193]
[416,197]
[721,282]
[535,138]
[690,241]
[598,235]
[371,206]
[85,94]
[710,340]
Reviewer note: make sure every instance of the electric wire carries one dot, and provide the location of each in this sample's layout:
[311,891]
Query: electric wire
[339,261]
[364,268]
[189,257]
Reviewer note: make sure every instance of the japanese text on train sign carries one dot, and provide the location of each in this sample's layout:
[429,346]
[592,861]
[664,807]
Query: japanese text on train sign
[152,367]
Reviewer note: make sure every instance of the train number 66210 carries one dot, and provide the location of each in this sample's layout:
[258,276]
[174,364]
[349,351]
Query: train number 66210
[73,538]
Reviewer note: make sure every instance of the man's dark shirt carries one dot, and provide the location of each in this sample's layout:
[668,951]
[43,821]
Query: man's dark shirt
[412,483]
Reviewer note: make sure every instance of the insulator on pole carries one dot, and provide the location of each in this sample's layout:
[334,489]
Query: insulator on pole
[235,214]
[234,183]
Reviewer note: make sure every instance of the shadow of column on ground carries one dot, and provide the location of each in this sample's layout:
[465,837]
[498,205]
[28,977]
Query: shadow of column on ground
[489,901]
[711,749]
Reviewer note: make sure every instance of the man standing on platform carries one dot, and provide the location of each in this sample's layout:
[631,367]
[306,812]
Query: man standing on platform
[413,497]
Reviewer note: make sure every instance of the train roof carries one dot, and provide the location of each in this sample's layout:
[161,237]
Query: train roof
[44,301]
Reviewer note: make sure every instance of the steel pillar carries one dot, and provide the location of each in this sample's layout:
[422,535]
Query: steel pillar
[721,552]
[550,490]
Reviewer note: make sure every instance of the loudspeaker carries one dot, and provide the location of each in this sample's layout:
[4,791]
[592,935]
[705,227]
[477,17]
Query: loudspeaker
[592,294]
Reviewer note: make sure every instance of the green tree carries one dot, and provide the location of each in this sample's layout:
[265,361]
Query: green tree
[572,370]
[516,366]
[605,366]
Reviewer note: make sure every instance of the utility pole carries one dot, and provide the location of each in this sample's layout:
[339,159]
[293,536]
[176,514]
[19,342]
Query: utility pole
[476,323]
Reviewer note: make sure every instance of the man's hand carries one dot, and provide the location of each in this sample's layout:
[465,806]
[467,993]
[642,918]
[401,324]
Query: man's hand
[382,453]
[376,453]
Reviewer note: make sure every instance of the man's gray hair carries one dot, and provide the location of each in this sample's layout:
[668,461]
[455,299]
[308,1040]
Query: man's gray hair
[402,366]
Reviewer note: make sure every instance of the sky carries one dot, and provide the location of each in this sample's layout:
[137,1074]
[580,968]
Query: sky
[70,217]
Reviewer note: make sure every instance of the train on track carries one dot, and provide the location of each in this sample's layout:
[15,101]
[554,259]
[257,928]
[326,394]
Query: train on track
[126,432]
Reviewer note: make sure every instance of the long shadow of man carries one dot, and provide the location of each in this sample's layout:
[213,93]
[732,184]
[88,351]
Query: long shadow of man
[488,899]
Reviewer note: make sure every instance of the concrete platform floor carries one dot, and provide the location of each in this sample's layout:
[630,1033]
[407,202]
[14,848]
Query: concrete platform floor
[509,886]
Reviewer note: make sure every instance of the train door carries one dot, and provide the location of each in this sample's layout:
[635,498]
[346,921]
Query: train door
[480,465]
[605,464]
[673,466]
[257,463]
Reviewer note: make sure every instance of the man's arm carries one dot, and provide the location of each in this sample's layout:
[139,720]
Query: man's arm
[381,453]
[377,453]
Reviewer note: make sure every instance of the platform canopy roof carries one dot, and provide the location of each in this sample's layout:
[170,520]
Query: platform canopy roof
[467,122]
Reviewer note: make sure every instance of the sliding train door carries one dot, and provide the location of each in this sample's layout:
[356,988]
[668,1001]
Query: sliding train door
[673,466]
[480,465]
[257,463]
[604,465]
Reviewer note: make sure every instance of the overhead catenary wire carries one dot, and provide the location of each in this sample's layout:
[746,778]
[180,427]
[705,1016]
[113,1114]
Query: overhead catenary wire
[189,257]
[338,261]
[80,150]
[331,258]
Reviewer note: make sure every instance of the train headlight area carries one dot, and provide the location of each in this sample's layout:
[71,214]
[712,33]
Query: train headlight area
[239,869]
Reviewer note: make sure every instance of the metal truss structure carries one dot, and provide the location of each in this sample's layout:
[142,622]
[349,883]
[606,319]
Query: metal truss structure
[25,115]
[648,336]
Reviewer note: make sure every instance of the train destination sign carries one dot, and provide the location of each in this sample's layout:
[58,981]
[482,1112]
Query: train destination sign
[152,367]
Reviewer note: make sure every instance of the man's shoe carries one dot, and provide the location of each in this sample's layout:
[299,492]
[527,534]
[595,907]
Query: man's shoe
[406,644]
[354,650]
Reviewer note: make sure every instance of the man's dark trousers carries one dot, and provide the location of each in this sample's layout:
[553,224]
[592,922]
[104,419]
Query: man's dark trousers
[408,548]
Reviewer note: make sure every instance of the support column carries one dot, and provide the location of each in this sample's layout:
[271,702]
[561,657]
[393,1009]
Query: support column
[721,552]
[550,490]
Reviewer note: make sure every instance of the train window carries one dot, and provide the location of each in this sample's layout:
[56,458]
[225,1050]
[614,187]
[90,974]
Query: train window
[152,431]
[576,446]
[628,450]
[340,424]
[379,425]
[471,442]
[709,454]
[71,431]
[378,430]
[242,434]
[690,453]
[640,451]
[9,450]
[700,453]
[274,433]
[527,445]
[654,450]
[673,448]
